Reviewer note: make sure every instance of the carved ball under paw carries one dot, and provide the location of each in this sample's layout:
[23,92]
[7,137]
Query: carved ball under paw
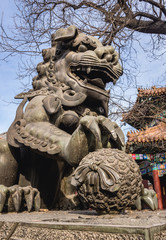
[107,179]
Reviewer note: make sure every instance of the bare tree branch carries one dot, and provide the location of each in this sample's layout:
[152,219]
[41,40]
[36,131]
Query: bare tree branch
[113,22]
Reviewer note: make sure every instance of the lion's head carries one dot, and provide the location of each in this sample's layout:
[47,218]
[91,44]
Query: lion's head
[77,67]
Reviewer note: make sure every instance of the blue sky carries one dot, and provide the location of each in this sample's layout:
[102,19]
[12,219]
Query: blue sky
[10,86]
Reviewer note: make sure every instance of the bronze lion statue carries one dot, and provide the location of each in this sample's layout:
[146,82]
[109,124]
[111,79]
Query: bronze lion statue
[60,121]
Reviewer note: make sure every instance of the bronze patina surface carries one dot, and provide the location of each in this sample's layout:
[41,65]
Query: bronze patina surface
[60,122]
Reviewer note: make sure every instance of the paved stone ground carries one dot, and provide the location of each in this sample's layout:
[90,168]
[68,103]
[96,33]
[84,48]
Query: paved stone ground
[141,219]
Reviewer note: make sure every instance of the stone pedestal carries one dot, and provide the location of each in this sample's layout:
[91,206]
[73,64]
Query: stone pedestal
[73,225]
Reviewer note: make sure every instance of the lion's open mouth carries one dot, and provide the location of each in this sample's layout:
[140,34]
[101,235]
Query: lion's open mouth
[94,75]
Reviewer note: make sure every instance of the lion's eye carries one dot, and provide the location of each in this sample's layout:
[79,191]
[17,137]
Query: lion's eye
[58,52]
[101,110]
[82,48]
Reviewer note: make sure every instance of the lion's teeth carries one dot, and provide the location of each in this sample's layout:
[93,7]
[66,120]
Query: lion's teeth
[88,70]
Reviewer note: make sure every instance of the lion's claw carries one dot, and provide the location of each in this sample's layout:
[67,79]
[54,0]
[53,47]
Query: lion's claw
[3,194]
[112,130]
[148,196]
[90,123]
[32,198]
[16,192]
[16,198]
[104,131]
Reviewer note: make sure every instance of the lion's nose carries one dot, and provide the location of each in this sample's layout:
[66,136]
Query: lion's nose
[106,53]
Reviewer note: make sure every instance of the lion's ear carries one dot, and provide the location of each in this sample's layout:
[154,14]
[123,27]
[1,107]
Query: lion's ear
[65,34]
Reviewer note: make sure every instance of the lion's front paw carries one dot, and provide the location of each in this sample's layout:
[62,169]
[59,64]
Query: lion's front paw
[105,132]
[111,133]
[16,198]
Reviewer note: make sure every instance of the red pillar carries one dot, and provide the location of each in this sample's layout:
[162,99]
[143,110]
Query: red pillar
[157,187]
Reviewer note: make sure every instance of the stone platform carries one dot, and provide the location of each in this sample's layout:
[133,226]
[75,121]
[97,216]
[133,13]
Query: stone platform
[83,225]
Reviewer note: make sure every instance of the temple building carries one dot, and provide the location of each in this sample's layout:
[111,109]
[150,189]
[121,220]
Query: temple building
[147,144]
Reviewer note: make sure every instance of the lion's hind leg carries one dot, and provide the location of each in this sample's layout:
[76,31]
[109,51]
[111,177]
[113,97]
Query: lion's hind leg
[8,171]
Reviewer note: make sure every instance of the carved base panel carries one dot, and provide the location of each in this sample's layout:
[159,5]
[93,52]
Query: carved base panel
[24,231]
[160,235]
[33,233]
